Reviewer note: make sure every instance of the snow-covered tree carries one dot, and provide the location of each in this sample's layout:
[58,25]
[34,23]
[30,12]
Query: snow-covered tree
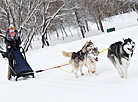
[46,17]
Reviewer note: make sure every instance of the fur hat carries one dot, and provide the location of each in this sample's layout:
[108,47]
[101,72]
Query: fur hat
[11,26]
[11,32]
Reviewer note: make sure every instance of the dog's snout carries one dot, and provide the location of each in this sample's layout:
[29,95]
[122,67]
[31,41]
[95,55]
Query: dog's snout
[133,46]
[96,59]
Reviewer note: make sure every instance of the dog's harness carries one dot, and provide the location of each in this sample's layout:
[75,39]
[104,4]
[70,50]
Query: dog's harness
[78,57]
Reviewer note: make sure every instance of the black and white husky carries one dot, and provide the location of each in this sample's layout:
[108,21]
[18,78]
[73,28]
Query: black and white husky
[120,54]
[92,59]
[79,59]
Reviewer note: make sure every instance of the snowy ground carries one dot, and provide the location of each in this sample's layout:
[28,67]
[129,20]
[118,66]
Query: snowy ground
[58,86]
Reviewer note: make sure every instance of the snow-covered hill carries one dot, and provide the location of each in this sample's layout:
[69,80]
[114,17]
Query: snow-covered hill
[56,85]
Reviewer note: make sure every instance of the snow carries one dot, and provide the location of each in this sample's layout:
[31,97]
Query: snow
[56,85]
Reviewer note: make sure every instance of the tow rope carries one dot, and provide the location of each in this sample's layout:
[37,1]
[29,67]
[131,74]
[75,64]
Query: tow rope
[65,70]
[52,68]
[104,50]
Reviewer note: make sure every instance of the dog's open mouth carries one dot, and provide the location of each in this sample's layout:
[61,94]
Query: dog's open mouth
[130,49]
[96,59]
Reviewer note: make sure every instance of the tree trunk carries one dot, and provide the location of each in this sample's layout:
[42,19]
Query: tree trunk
[47,43]
[44,41]
[26,41]
[57,34]
[84,29]
[62,33]
[64,30]
[81,28]
[87,26]
[101,25]
[29,44]
[49,35]
[100,19]
[12,16]
[70,32]
[97,26]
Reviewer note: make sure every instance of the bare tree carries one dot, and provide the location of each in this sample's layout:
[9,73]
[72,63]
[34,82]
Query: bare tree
[45,17]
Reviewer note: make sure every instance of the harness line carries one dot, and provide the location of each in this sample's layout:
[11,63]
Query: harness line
[104,50]
[64,70]
[53,68]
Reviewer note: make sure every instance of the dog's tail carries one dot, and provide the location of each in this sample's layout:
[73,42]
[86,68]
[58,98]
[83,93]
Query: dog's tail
[67,54]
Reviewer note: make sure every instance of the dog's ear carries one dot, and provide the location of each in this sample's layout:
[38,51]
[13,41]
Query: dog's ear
[84,47]
[87,43]
[123,40]
[97,50]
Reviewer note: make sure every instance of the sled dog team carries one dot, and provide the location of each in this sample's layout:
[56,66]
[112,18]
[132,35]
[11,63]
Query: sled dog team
[119,53]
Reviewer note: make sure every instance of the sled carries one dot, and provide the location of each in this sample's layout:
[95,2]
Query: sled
[21,67]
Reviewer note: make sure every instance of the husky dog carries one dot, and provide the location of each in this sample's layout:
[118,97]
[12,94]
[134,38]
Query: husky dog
[92,59]
[120,54]
[78,59]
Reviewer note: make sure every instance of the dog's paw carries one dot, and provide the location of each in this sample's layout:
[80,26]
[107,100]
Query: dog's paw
[93,72]
[125,77]
[122,76]
[82,74]
[77,77]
